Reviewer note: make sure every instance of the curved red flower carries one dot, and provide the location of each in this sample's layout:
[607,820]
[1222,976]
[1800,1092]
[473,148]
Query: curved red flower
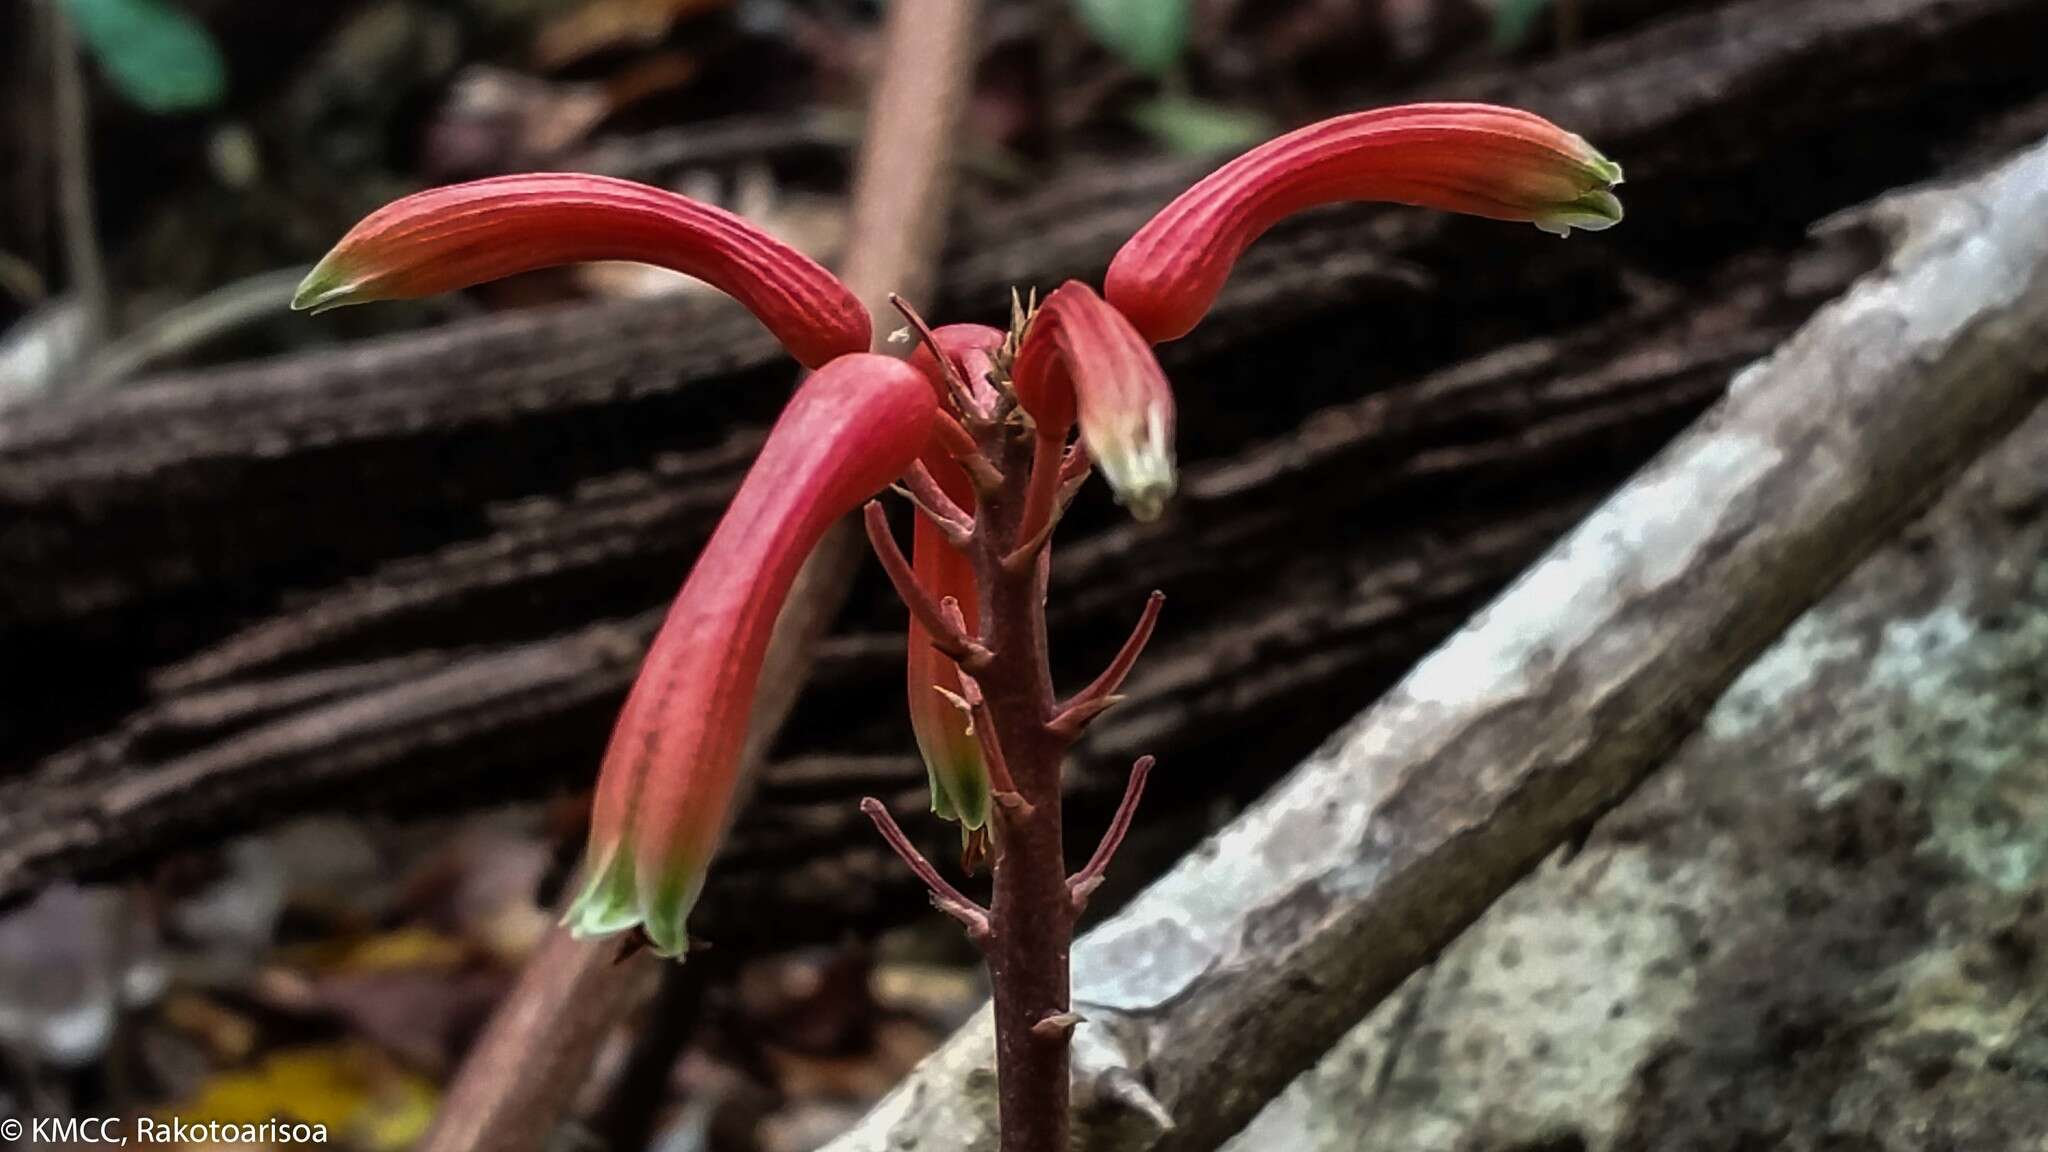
[667,782]
[1479,159]
[952,754]
[1081,360]
[448,238]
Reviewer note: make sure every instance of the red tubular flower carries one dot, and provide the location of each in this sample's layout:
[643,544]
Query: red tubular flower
[1473,158]
[464,234]
[1082,359]
[668,775]
[952,754]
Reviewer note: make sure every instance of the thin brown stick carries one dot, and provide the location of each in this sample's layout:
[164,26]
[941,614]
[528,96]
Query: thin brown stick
[520,1078]
[1031,914]
[77,221]
[1081,885]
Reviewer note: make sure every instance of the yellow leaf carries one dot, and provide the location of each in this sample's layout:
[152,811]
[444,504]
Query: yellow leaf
[359,1096]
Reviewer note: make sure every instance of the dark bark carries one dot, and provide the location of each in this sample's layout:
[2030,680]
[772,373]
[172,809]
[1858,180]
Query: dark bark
[1528,437]
[431,426]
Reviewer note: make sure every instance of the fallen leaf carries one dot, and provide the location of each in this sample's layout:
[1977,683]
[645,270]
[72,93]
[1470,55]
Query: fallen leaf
[358,1095]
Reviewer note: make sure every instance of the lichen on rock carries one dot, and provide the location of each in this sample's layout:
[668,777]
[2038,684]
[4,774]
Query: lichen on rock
[1824,925]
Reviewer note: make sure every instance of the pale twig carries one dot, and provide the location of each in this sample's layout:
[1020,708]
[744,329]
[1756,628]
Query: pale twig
[521,1076]
[82,256]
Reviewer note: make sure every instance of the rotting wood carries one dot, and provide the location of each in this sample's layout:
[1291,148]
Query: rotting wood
[1328,627]
[116,505]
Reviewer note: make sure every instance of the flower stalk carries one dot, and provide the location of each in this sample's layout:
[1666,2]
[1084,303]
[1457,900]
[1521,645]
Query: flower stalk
[990,434]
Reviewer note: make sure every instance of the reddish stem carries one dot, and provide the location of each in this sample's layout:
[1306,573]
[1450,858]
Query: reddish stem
[962,394]
[1031,913]
[1096,698]
[929,497]
[1041,501]
[945,897]
[1084,883]
[1023,481]
[945,636]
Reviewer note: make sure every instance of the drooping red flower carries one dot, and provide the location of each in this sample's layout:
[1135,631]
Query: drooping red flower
[952,754]
[1081,360]
[666,785]
[1478,159]
[464,234]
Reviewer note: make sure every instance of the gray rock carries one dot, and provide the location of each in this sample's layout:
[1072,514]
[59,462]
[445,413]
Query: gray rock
[1823,926]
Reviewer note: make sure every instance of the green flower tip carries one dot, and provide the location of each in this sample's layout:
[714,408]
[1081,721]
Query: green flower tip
[613,901]
[1138,465]
[1597,208]
[327,286]
[1593,212]
[1606,171]
[961,795]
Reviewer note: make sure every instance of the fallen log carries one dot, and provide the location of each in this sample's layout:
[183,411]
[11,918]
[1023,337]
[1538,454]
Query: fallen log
[1230,976]
[1821,924]
[142,526]
[1236,682]
[1437,493]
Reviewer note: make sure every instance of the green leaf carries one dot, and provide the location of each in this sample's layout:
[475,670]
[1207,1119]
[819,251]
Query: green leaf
[152,53]
[1149,35]
[1513,20]
[1198,128]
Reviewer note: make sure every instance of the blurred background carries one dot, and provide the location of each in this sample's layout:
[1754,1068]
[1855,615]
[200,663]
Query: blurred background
[311,629]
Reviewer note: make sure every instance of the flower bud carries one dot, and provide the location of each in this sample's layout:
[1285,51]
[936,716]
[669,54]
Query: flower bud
[1082,360]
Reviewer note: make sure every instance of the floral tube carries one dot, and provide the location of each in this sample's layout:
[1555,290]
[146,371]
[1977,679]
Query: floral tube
[1478,159]
[666,786]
